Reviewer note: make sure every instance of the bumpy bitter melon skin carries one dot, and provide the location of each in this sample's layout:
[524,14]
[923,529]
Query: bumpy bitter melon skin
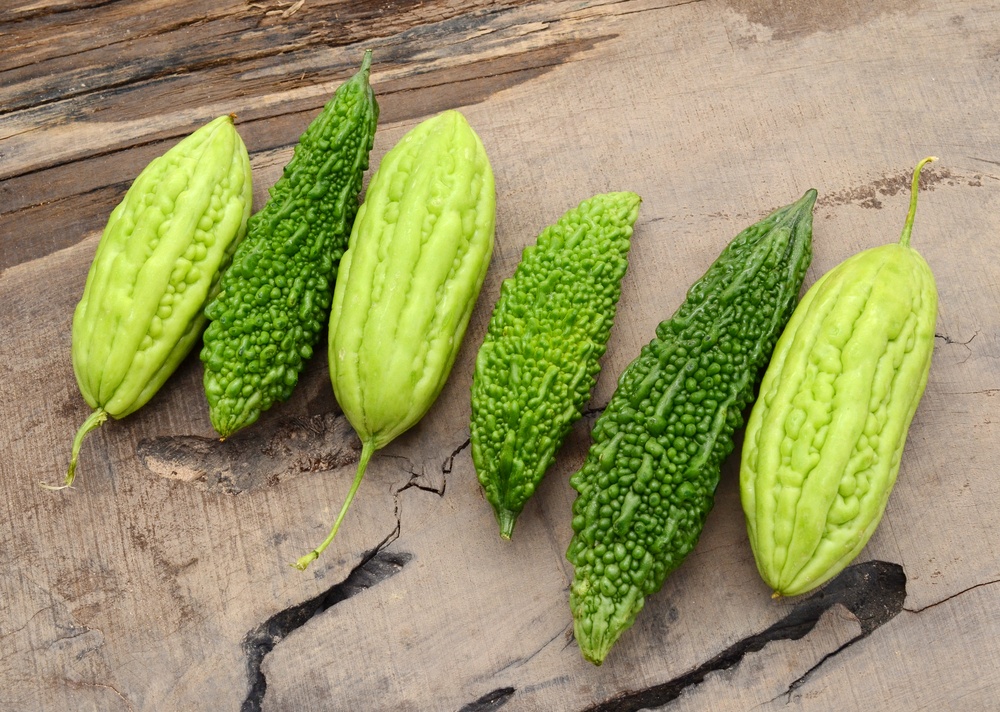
[408,282]
[649,479]
[275,298]
[541,354]
[157,264]
[824,440]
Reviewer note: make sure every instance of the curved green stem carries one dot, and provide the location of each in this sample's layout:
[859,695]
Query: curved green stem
[367,450]
[95,421]
[904,239]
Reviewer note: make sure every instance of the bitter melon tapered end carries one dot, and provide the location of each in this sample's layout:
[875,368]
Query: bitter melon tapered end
[226,422]
[366,61]
[506,519]
[594,646]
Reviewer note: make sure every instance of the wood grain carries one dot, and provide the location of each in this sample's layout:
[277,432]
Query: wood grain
[161,581]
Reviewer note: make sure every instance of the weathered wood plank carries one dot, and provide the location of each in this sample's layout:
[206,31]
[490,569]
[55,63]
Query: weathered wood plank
[161,581]
[63,158]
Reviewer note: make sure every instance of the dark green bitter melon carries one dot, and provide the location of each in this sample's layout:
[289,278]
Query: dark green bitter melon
[541,354]
[275,298]
[650,476]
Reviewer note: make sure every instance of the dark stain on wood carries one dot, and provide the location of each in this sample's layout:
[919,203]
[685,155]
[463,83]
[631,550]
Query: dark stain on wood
[789,20]
[249,461]
[870,194]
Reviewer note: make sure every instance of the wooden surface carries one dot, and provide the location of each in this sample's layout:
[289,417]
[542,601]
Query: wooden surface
[161,581]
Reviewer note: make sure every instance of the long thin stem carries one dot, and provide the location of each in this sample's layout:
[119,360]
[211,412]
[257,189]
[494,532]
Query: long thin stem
[367,450]
[95,421]
[904,239]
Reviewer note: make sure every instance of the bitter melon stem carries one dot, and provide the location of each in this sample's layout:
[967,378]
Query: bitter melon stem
[506,519]
[904,239]
[95,421]
[368,448]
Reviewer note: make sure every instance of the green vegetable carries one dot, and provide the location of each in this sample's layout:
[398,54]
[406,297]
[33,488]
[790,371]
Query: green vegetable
[824,441]
[157,263]
[276,297]
[408,282]
[649,479]
[540,357]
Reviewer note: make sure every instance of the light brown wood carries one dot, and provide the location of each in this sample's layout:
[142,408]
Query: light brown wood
[161,580]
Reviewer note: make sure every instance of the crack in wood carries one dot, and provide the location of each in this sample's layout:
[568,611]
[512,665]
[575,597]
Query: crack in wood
[565,633]
[14,16]
[85,50]
[492,700]
[954,342]
[664,6]
[985,160]
[952,596]
[376,566]
[801,679]
[415,483]
[948,340]
[99,686]
[872,591]
[449,461]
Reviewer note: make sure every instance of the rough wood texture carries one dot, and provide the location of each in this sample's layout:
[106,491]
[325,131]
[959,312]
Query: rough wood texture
[161,581]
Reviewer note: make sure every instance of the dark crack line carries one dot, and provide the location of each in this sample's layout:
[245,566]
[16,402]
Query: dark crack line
[131,39]
[492,700]
[984,160]
[952,596]
[872,591]
[118,187]
[527,658]
[36,13]
[148,74]
[99,685]
[801,680]
[948,340]
[376,566]
[666,6]
[102,153]
[414,483]
[449,461]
